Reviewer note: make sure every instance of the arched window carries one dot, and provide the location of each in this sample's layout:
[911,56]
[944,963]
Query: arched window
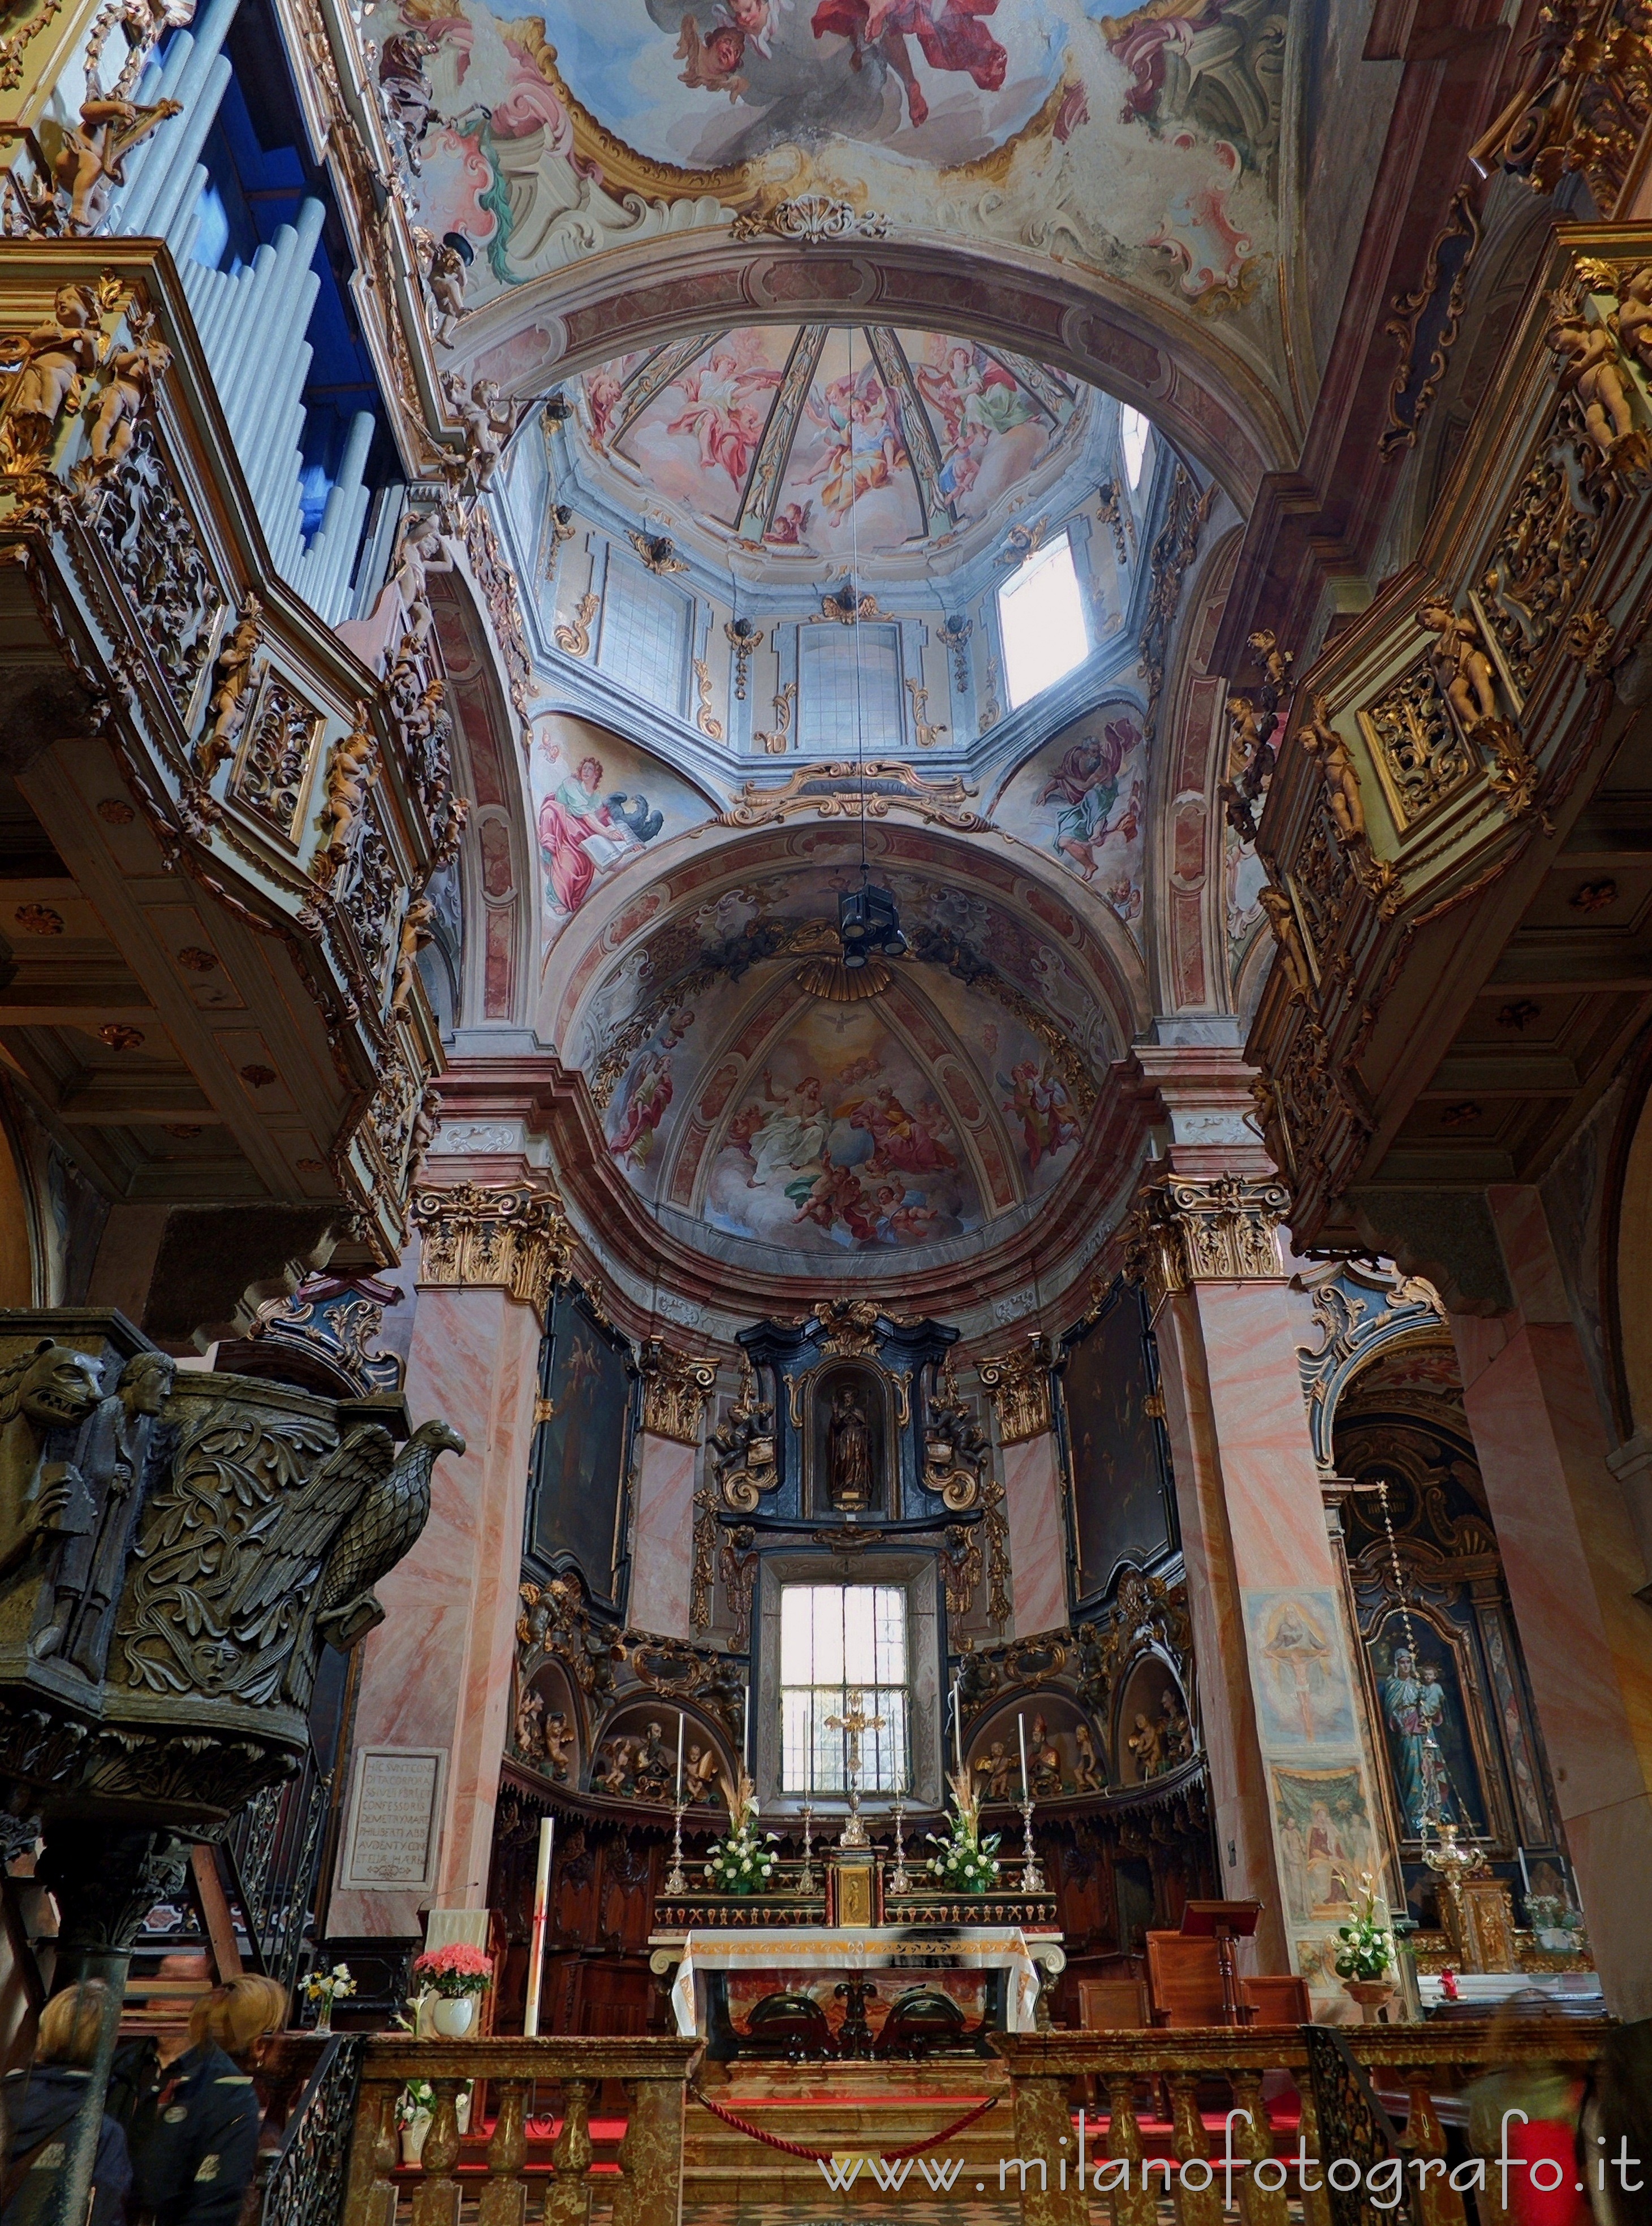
[1134,432]
[844,1683]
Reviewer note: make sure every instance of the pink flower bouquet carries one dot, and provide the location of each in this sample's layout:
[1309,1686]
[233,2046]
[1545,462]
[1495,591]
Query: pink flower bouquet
[454,1970]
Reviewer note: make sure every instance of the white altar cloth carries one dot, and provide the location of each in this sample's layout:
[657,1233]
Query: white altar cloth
[902,1948]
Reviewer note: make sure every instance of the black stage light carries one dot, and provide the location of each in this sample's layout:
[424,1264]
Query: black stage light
[868,923]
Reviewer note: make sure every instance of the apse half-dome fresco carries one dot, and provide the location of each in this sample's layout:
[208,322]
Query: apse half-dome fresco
[854,443]
[750,1086]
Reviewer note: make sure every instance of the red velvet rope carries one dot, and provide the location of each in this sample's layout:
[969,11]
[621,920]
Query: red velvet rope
[826,2156]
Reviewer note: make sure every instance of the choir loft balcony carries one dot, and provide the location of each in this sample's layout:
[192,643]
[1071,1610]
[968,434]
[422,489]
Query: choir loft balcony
[216,826]
[1458,838]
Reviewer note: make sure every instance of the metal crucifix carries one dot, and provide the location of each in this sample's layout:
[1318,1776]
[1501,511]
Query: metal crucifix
[852,1723]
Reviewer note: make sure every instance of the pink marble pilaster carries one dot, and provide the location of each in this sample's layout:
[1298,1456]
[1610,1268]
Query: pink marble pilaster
[437,1672]
[1252,1521]
[662,1537]
[1573,1563]
[1038,1543]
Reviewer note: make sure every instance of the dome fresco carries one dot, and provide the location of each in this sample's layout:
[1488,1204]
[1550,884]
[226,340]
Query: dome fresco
[844,444]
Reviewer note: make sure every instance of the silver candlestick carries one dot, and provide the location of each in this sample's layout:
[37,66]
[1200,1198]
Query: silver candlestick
[676,1880]
[806,1875]
[1032,1873]
[900,1879]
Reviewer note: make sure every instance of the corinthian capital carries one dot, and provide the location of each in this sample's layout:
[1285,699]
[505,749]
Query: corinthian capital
[676,1386]
[1222,1230]
[510,1237]
[1018,1382]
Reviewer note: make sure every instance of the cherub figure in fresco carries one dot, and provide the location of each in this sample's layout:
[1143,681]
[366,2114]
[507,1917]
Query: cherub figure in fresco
[719,413]
[863,451]
[949,33]
[789,527]
[711,64]
[1085,787]
[903,1217]
[602,396]
[976,397]
[835,1194]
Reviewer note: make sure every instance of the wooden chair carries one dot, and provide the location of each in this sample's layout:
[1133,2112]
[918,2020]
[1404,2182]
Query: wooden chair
[1112,2006]
[1183,1980]
[1278,2000]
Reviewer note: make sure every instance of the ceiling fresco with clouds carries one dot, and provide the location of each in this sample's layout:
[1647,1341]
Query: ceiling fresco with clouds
[1141,146]
[847,443]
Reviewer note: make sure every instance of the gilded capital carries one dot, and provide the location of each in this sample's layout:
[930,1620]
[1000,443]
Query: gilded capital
[509,1236]
[1018,1382]
[676,1386]
[1186,1232]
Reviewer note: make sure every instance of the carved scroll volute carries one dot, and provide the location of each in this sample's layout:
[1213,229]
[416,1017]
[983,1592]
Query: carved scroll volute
[742,1448]
[1018,1382]
[955,1448]
[676,1386]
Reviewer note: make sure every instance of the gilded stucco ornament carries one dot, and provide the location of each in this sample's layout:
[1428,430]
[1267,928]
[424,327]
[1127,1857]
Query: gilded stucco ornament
[1018,1382]
[1184,1231]
[676,1386]
[513,1237]
[742,1448]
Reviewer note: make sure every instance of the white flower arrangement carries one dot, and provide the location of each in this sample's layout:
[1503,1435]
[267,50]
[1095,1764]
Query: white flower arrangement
[966,1860]
[742,1863]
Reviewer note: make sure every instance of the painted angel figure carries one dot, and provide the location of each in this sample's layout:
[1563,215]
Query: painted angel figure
[863,449]
[719,413]
[1085,786]
[949,33]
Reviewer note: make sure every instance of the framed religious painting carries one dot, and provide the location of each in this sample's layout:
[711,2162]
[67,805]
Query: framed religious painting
[1122,1505]
[581,1449]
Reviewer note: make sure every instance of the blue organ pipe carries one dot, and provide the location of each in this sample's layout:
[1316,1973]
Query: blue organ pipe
[238,328]
[175,195]
[190,77]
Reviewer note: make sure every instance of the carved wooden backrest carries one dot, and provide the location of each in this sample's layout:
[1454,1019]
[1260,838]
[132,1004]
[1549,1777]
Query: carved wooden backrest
[1112,2005]
[1278,2000]
[1183,1979]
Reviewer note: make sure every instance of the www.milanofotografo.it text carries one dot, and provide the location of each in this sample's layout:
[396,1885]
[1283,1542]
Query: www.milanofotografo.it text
[1383,2180]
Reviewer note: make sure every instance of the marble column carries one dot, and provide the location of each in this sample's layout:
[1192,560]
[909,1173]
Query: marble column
[1019,1384]
[1282,1718]
[436,1675]
[675,1387]
[1574,1564]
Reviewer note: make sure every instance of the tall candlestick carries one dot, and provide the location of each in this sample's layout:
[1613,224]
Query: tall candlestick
[957,1728]
[679,1757]
[1525,1875]
[541,1915]
[746,1733]
[1020,1727]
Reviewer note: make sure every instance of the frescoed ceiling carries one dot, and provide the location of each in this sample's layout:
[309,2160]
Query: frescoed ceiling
[1137,151]
[848,443]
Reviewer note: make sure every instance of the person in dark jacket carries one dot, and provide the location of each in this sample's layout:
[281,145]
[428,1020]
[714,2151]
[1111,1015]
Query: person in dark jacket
[195,2146]
[41,2106]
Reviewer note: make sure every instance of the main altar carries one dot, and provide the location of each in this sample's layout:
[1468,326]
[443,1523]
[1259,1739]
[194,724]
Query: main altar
[837,1962]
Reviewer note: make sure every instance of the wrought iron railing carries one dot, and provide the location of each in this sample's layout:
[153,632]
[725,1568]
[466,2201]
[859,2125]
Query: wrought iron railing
[306,2186]
[275,1851]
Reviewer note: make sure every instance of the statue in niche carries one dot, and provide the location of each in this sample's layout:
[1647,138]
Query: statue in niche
[848,1438]
[995,1767]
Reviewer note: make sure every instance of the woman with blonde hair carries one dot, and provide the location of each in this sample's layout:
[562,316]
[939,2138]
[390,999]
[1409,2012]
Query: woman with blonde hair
[195,2146]
[41,2106]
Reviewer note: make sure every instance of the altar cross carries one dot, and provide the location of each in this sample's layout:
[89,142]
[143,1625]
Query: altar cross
[852,1722]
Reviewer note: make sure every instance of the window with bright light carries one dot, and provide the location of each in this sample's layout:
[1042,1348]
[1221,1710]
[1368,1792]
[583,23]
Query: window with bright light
[1134,432]
[842,1659]
[1041,616]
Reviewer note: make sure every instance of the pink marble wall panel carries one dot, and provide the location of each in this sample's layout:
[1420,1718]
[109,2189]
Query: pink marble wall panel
[437,1671]
[1037,1541]
[661,1538]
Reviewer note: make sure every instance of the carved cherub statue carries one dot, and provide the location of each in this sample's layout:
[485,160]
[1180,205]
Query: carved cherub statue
[1146,1743]
[1588,353]
[488,420]
[615,1775]
[559,1744]
[700,1777]
[1176,1734]
[447,276]
[529,1730]
[228,706]
[1244,736]
[1633,317]
[1086,1773]
[420,550]
[1320,740]
[55,357]
[417,932]
[1461,666]
[1281,918]
[132,373]
[349,775]
[994,1766]
[91,161]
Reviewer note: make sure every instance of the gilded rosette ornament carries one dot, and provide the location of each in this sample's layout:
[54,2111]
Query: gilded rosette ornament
[1184,1231]
[1018,1382]
[676,1386]
[510,1237]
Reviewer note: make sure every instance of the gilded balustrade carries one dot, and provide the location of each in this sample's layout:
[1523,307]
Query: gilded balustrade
[522,2076]
[1411,2067]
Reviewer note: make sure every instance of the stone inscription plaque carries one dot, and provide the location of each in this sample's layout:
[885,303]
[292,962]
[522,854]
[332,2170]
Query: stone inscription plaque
[395,1818]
